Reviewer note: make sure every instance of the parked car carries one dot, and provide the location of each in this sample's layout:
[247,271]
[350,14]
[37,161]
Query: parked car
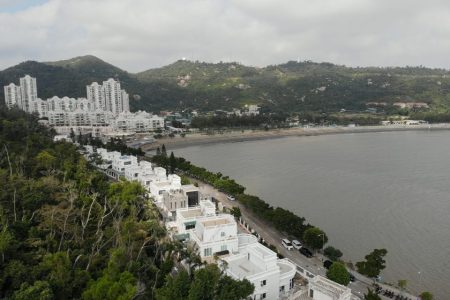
[306,252]
[297,245]
[352,278]
[327,264]
[231,198]
[287,244]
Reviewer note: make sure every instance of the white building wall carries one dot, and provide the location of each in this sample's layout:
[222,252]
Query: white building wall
[96,94]
[13,96]
[28,91]
[113,96]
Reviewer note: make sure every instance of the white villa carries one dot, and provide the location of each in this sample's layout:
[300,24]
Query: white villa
[216,238]
[321,288]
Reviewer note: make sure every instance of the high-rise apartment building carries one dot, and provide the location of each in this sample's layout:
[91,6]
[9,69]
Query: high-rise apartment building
[104,103]
[96,94]
[113,96]
[28,91]
[13,96]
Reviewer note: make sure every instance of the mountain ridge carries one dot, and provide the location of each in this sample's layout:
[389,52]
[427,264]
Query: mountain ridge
[289,87]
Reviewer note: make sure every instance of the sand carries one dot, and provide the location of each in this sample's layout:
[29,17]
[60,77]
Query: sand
[252,135]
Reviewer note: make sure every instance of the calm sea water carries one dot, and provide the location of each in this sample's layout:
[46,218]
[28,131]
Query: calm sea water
[366,190]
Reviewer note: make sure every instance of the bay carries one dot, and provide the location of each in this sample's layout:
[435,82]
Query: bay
[366,190]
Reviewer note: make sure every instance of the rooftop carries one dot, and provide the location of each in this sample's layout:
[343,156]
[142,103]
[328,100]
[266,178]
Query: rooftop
[216,222]
[329,287]
[190,213]
[189,188]
[243,267]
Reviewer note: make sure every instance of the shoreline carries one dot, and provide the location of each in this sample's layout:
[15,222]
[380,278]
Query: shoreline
[198,139]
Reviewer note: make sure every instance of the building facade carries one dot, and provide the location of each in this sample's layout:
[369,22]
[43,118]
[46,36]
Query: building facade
[13,96]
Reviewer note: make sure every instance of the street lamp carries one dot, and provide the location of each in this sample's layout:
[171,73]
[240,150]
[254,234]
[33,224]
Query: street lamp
[323,242]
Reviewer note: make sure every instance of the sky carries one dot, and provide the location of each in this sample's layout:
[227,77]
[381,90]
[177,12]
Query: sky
[136,35]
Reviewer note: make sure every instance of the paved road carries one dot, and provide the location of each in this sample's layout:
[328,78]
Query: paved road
[270,235]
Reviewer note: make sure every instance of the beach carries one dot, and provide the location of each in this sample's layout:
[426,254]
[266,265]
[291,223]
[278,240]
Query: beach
[194,139]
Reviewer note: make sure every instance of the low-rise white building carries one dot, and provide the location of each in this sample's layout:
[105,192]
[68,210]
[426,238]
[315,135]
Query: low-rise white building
[321,288]
[215,235]
[140,121]
[272,277]
[121,163]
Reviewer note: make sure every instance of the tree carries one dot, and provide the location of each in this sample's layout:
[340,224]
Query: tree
[72,135]
[338,273]
[402,284]
[172,163]
[158,151]
[426,296]
[45,160]
[373,264]
[236,212]
[315,238]
[175,288]
[112,286]
[371,295]
[163,150]
[204,284]
[332,253]
[228,288]
[40,290]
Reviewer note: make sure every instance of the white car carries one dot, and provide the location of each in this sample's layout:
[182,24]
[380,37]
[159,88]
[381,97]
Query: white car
[296,244]
[286,244]
[231,198]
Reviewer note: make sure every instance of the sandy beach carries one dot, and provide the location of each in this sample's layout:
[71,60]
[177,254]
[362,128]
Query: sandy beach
[251,135]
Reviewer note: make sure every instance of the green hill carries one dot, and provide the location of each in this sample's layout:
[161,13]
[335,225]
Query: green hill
[289,87]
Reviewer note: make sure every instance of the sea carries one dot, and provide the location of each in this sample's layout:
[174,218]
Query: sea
[365,190]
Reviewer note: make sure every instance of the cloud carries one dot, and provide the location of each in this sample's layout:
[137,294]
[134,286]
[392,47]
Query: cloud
[139,34]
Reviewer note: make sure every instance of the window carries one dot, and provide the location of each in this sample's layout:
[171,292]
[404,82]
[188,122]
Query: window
[263,296]
[263,283]
[222,233]
[223,247]
[207,252]
[311,293]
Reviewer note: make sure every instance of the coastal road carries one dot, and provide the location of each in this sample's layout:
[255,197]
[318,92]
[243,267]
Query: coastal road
[314,265]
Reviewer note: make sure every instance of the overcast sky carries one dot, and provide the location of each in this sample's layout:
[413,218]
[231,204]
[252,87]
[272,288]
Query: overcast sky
[139,34]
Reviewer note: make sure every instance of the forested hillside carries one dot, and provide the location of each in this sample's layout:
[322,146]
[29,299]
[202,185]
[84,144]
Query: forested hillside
[290,87]
[66,232]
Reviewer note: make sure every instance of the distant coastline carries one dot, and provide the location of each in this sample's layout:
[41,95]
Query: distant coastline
[253,135]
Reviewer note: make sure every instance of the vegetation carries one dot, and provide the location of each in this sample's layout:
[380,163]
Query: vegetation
[338,273]
[208,283]
[290,87]
[373,264]
[315,238]
[114,144]
[371,295]
[332,253]
[426,296]
[402,284]
[67,232]
[276,120]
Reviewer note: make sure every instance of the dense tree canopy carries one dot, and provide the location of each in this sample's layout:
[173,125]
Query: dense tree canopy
[371,295]
[373,264]
[332,253]
[209,283]
[315,238]
[338,273]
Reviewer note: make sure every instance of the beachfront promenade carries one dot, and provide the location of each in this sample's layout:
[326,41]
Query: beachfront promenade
[308,266]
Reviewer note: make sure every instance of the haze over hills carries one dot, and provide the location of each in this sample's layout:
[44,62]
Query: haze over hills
[289,87]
